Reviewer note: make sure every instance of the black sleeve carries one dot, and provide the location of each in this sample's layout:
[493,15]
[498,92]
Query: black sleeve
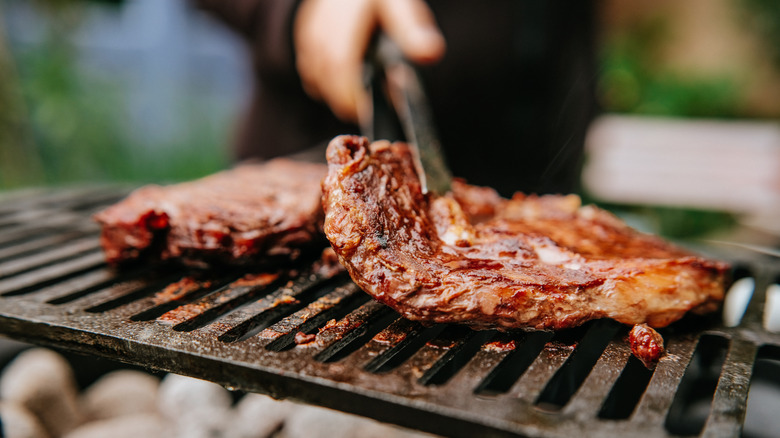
[267,27]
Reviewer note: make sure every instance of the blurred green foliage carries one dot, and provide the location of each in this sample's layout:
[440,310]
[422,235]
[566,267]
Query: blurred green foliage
[671,222]
[765,18]
[633,81]
[685,223]
[80,131]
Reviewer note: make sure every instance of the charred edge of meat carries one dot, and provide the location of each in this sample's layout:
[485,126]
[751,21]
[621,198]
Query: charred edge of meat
[148,235]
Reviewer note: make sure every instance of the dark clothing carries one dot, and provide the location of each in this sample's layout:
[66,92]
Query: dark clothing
[512,97]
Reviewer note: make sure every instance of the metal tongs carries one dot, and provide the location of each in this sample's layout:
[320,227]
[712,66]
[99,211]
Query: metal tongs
[400,111]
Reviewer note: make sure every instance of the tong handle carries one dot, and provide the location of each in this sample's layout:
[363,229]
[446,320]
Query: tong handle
[400,111]
[383,121]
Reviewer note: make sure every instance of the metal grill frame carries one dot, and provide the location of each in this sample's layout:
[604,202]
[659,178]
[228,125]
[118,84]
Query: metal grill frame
[49,252]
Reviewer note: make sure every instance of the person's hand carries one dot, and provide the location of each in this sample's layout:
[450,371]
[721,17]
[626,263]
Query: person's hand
[331,38]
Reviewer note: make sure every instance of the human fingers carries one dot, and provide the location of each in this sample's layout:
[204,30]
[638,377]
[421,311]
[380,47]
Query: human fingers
[331,38]
[411,24]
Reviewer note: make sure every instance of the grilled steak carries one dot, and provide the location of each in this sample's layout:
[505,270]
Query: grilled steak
[243,215]
[475,258]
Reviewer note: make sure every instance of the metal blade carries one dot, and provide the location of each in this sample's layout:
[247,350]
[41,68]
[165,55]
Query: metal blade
[410,105]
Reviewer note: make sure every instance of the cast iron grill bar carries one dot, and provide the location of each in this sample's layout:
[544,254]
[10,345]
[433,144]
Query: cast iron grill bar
[203,311]
[335,339]
[460,350]
[488,358]
[38,244]
[282,334]
[123,292]
[729,403]
[23,216]
[33,280]
[43,210]
[95,203]
[536,377]
[9,200]
[9,240]
[61,198]
[55,223]
[515,363]
[321,340]
[423,364]
[77,287]
[655,402]
[381,352]
[579,364]
[56,254]
[586,402]
[180,295]
[256,316]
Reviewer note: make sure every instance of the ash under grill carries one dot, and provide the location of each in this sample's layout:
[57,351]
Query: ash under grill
[317,338]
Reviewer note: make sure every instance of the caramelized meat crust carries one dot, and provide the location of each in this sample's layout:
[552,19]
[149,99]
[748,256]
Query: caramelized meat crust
[475,258]
[646,344]
[252,212]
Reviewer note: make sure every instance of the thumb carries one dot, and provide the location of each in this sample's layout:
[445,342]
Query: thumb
[410,23]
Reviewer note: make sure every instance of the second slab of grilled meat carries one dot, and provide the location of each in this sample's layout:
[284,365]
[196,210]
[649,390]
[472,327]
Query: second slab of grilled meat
[239,216]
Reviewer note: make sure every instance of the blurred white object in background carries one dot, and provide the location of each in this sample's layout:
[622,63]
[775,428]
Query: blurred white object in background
[736,301]
[126,426]
[120,393]
[772,308]
[18,422]
[258,415]
[731,166]
[42,382]
[197,408]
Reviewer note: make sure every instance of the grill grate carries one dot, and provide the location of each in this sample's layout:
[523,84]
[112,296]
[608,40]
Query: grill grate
[319,339]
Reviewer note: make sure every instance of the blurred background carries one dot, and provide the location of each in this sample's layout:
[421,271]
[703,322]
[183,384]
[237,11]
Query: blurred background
[97,91]
[688,137]
[136,91]
[140,91]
